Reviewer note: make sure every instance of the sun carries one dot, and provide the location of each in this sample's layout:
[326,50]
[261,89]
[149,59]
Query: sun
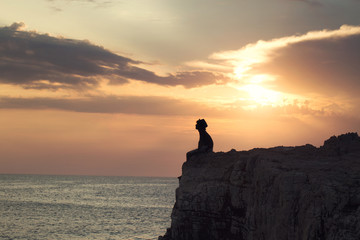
[255,91]
[261,95]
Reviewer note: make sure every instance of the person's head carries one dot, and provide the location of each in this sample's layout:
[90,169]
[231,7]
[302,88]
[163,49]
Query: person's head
[201,124]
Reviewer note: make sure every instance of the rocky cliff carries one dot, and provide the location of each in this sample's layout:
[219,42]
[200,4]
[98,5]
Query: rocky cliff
[277,193]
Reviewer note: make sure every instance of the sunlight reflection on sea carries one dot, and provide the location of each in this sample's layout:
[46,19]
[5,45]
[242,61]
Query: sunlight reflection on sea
[85,207]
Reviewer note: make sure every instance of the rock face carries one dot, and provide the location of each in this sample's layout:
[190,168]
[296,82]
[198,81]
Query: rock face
[278,193]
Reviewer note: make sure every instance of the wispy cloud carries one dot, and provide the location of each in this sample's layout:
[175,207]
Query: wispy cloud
[262,51]
[35,60]
[148,105]
[322,62]
[323,66]
[56,4]
[315,3]
[319,65]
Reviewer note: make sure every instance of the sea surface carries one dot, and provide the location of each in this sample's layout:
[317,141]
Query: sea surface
[85,207]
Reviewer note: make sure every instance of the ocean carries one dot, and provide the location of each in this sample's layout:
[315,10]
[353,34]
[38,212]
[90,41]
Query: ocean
[85,207]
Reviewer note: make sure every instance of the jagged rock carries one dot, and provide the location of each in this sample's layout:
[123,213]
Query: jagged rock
[278,193]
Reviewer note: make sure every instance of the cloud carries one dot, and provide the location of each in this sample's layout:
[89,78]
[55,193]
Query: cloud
[154,105]
[35,60]
[28,58]
[96,3]
[260,51]
[85,1]
[111,104]
[323,62]
[311,2]
[187,79]
[325,66]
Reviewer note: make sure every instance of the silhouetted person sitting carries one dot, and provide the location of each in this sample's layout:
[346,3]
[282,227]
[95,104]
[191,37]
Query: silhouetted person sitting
[205,143]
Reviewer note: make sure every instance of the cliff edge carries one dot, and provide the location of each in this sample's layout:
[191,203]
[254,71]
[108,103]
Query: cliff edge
[277,193]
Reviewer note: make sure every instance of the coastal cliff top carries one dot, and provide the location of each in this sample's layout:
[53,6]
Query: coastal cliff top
[297,193]
[338,153]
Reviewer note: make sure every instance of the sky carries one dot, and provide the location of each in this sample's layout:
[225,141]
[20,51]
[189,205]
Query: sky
[114,87]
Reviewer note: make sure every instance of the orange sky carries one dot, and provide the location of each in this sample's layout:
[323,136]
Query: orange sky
[125,100]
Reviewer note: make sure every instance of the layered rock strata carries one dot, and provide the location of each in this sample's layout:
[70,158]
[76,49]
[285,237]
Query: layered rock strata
[271,194]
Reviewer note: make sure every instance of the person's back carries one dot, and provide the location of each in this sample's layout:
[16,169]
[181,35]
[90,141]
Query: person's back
[206,143]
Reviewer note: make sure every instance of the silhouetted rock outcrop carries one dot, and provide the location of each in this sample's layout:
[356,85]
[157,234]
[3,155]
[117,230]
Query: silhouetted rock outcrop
[271,194]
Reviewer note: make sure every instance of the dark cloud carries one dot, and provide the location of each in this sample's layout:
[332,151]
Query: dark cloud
[111,104]
[315,3]
[187,79]
[28,57]
[36,60]
[326,66]
[152,105]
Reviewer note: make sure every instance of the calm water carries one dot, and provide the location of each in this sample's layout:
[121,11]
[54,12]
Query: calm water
[79,207]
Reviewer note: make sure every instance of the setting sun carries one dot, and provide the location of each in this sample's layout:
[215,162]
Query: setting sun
[261,95]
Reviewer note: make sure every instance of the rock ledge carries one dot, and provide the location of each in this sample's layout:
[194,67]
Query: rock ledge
[277,193]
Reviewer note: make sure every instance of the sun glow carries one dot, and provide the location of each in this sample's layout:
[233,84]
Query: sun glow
[254,88]
[261,95]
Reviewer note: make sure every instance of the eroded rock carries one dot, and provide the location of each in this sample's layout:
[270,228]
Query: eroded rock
[278,193]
